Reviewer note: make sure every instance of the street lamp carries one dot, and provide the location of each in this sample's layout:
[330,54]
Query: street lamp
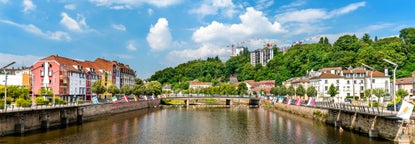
[394,82]
[5,83]
[371,80]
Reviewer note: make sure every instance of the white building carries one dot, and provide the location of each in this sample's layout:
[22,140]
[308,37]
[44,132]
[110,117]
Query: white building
[15,77]
[351,82]
[262,56]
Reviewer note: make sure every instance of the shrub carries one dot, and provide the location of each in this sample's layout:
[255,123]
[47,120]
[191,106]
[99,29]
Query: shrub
[21,102]
[41,101]
[79,102]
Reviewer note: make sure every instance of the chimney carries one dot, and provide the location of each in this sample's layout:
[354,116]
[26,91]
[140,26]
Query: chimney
[386,72]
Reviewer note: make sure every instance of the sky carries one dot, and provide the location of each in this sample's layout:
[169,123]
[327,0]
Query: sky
[150,35]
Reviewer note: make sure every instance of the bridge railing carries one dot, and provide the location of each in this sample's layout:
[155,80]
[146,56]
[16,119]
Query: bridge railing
[354,108]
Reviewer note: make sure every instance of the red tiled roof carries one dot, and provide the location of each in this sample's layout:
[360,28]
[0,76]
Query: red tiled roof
[329,75]
[402,81]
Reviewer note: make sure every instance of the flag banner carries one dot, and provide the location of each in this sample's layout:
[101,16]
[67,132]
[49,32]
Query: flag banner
[135,98]
[298,102]
[95,100]
[145,97]
[406,110]
[289,101]
[114,99]
[126,99]
[313,101]
[309,102]
[274,99]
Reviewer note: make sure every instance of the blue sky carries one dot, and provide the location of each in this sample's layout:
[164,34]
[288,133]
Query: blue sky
[151,35]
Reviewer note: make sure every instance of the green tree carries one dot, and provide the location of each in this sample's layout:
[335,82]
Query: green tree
[125,89]
[379,92]
[283,90]
[291,90]
[332,91]
[300,91]
[311,91]
[408,35]
[242,88]
[98,88]
[152,88]
[401,93]
[112,89]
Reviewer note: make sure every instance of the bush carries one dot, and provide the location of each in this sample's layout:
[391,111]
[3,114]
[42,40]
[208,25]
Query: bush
[41,101]
[59,101]
[79,102]
[21,102]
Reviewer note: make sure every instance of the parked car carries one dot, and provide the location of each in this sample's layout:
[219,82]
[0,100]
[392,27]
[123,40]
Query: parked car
[391,107]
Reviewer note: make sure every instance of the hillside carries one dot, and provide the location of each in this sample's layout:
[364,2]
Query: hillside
[348,50]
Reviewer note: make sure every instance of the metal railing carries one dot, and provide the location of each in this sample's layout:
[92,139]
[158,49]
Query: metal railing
[355,108]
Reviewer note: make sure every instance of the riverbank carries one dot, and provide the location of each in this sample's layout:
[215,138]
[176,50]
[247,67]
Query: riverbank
[20,122]
[385,127]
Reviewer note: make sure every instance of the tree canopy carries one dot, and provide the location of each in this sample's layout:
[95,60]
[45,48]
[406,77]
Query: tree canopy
[347,50]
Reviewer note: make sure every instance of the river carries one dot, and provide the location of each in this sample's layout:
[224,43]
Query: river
[198,126]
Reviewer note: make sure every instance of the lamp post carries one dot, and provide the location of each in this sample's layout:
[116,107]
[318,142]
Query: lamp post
[5,83]
[394,82]
[371,80]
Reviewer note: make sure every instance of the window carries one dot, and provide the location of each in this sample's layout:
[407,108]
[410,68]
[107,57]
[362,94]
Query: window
[354,81]
[337,87]
[361,88]
[373,80]
[337,81]
[348,82]
[325,81]
[325,88]
[348,94]
[42,73]
[361,81]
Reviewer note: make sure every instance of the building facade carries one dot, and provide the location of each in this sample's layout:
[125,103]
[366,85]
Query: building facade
[261,56]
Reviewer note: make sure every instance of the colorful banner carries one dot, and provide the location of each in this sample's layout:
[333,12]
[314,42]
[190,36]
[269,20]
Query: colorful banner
[135,98]
[289,101]
[114,99]
[126,99]
[95,100]
[298,102]
[405,111]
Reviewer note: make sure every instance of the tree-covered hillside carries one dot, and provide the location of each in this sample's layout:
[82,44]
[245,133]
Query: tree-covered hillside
[348,50]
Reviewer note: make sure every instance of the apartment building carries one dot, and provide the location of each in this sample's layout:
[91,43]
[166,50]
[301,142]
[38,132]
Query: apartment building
[261,56]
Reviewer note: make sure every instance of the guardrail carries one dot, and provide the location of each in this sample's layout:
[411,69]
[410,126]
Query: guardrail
[355,108]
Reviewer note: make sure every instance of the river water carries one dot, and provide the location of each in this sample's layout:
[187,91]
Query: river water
[197,126]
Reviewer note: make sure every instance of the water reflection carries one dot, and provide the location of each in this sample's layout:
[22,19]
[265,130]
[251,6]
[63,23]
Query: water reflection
[197,126]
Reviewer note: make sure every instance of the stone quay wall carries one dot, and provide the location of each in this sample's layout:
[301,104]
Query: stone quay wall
[387,127]
[20,122]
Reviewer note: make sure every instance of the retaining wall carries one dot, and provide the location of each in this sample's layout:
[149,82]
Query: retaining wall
[387,127]
[23,121]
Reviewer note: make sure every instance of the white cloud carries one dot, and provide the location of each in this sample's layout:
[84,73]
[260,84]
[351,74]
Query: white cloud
[58,35]
[159,37]
[21,60]
[263,4]
[294,4]
[127,4]
[376,27]
[150,11]
[72,24]
[119,27]
[253,23]
[131,46]
[312,15]
[28,6]
[4,1]
[70,6]
[213,7]
[347,9]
